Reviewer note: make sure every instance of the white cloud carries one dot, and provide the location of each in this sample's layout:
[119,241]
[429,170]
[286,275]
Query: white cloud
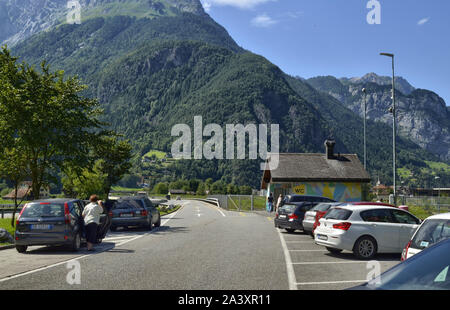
[242,4]
[423,21]
[263,20]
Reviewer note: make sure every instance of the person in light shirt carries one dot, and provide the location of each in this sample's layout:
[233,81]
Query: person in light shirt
[91,215]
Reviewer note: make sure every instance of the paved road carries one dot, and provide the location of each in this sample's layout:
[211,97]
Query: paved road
[199,247]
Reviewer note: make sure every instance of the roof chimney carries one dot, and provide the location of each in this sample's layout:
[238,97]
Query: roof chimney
[329,145]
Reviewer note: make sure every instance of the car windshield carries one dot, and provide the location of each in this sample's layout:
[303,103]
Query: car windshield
[43,210]
[338,214]
[432,231]
[428,270]
[297,199]
[321,207]
[288,208]
[126,204]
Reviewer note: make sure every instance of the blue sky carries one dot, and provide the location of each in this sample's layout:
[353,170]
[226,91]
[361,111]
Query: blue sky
[332,37]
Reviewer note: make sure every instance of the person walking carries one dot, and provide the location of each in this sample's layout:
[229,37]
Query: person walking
[279,201]
[91,215]
[270,203]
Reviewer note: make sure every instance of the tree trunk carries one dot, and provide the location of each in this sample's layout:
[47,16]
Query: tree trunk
[16,188]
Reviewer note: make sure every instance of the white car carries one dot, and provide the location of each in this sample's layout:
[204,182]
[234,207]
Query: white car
[310,216]
[433,229]
[366,230]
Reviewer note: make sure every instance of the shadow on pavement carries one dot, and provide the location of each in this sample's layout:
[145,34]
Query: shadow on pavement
[389,257]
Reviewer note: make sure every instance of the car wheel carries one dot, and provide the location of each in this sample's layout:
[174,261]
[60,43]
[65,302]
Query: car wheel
[333,250]
[76,243]
[365,248]
[21,248]
[158,224]
[149,224]
[290,230]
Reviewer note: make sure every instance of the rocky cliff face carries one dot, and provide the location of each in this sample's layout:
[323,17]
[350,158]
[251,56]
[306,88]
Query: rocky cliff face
[423,116]
[19,19]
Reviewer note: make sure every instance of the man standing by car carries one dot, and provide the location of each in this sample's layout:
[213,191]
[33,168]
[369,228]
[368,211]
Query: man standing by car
[279,201]
[91,215]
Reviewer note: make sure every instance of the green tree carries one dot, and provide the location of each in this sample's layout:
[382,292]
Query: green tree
[84,184]
[53,126]
[161,188]
[114,160]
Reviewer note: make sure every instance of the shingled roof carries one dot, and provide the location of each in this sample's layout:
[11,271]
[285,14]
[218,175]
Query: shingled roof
[304,167]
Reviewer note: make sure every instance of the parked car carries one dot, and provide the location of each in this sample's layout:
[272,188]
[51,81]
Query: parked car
[311,217]
[55,222]
[292,211]
[366,230]
[319,215]
[428,270]
[434,229]
[135,211]
[301,200]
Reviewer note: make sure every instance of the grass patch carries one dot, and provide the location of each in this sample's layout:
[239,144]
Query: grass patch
[176,208]
[126,189]
[158,154]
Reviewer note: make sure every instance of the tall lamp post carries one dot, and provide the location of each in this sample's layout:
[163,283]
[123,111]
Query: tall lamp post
[365,116]
[393,111]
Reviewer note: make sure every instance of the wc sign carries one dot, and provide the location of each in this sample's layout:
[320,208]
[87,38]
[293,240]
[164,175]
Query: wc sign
[374,15]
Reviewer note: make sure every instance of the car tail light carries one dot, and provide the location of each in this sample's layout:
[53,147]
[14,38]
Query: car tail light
[66,213]
[110,213]
[20,214]
[343,226]
[144,212]
[405,251]
[293,216]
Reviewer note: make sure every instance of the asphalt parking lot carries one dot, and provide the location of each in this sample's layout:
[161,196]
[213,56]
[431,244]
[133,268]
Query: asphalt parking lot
[312,267]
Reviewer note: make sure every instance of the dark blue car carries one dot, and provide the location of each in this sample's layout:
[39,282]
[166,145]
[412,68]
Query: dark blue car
[428,270]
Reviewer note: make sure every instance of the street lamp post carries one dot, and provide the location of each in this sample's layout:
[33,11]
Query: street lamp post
[393,111]
[365,116]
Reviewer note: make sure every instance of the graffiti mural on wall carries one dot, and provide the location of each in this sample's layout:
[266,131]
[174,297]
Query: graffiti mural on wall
[336,191]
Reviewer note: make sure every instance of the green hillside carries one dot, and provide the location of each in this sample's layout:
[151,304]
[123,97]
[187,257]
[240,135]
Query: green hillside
[152,73]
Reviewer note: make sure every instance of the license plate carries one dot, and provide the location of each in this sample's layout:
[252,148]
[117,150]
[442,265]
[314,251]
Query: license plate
[41,226]
[282,216]
[126,215]
[322,237]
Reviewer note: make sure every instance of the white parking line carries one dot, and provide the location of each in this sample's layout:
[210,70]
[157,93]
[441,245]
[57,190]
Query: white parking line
[87,255]
[318,263]
[290,270]
[331,282]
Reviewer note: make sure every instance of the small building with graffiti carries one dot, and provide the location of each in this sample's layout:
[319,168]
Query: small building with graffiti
[336,176]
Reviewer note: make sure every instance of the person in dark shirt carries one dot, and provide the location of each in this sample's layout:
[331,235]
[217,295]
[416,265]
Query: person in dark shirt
[270,203]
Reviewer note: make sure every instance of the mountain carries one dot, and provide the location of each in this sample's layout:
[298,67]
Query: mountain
[401,84]
[151,71]
[422,115]
[19,19]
